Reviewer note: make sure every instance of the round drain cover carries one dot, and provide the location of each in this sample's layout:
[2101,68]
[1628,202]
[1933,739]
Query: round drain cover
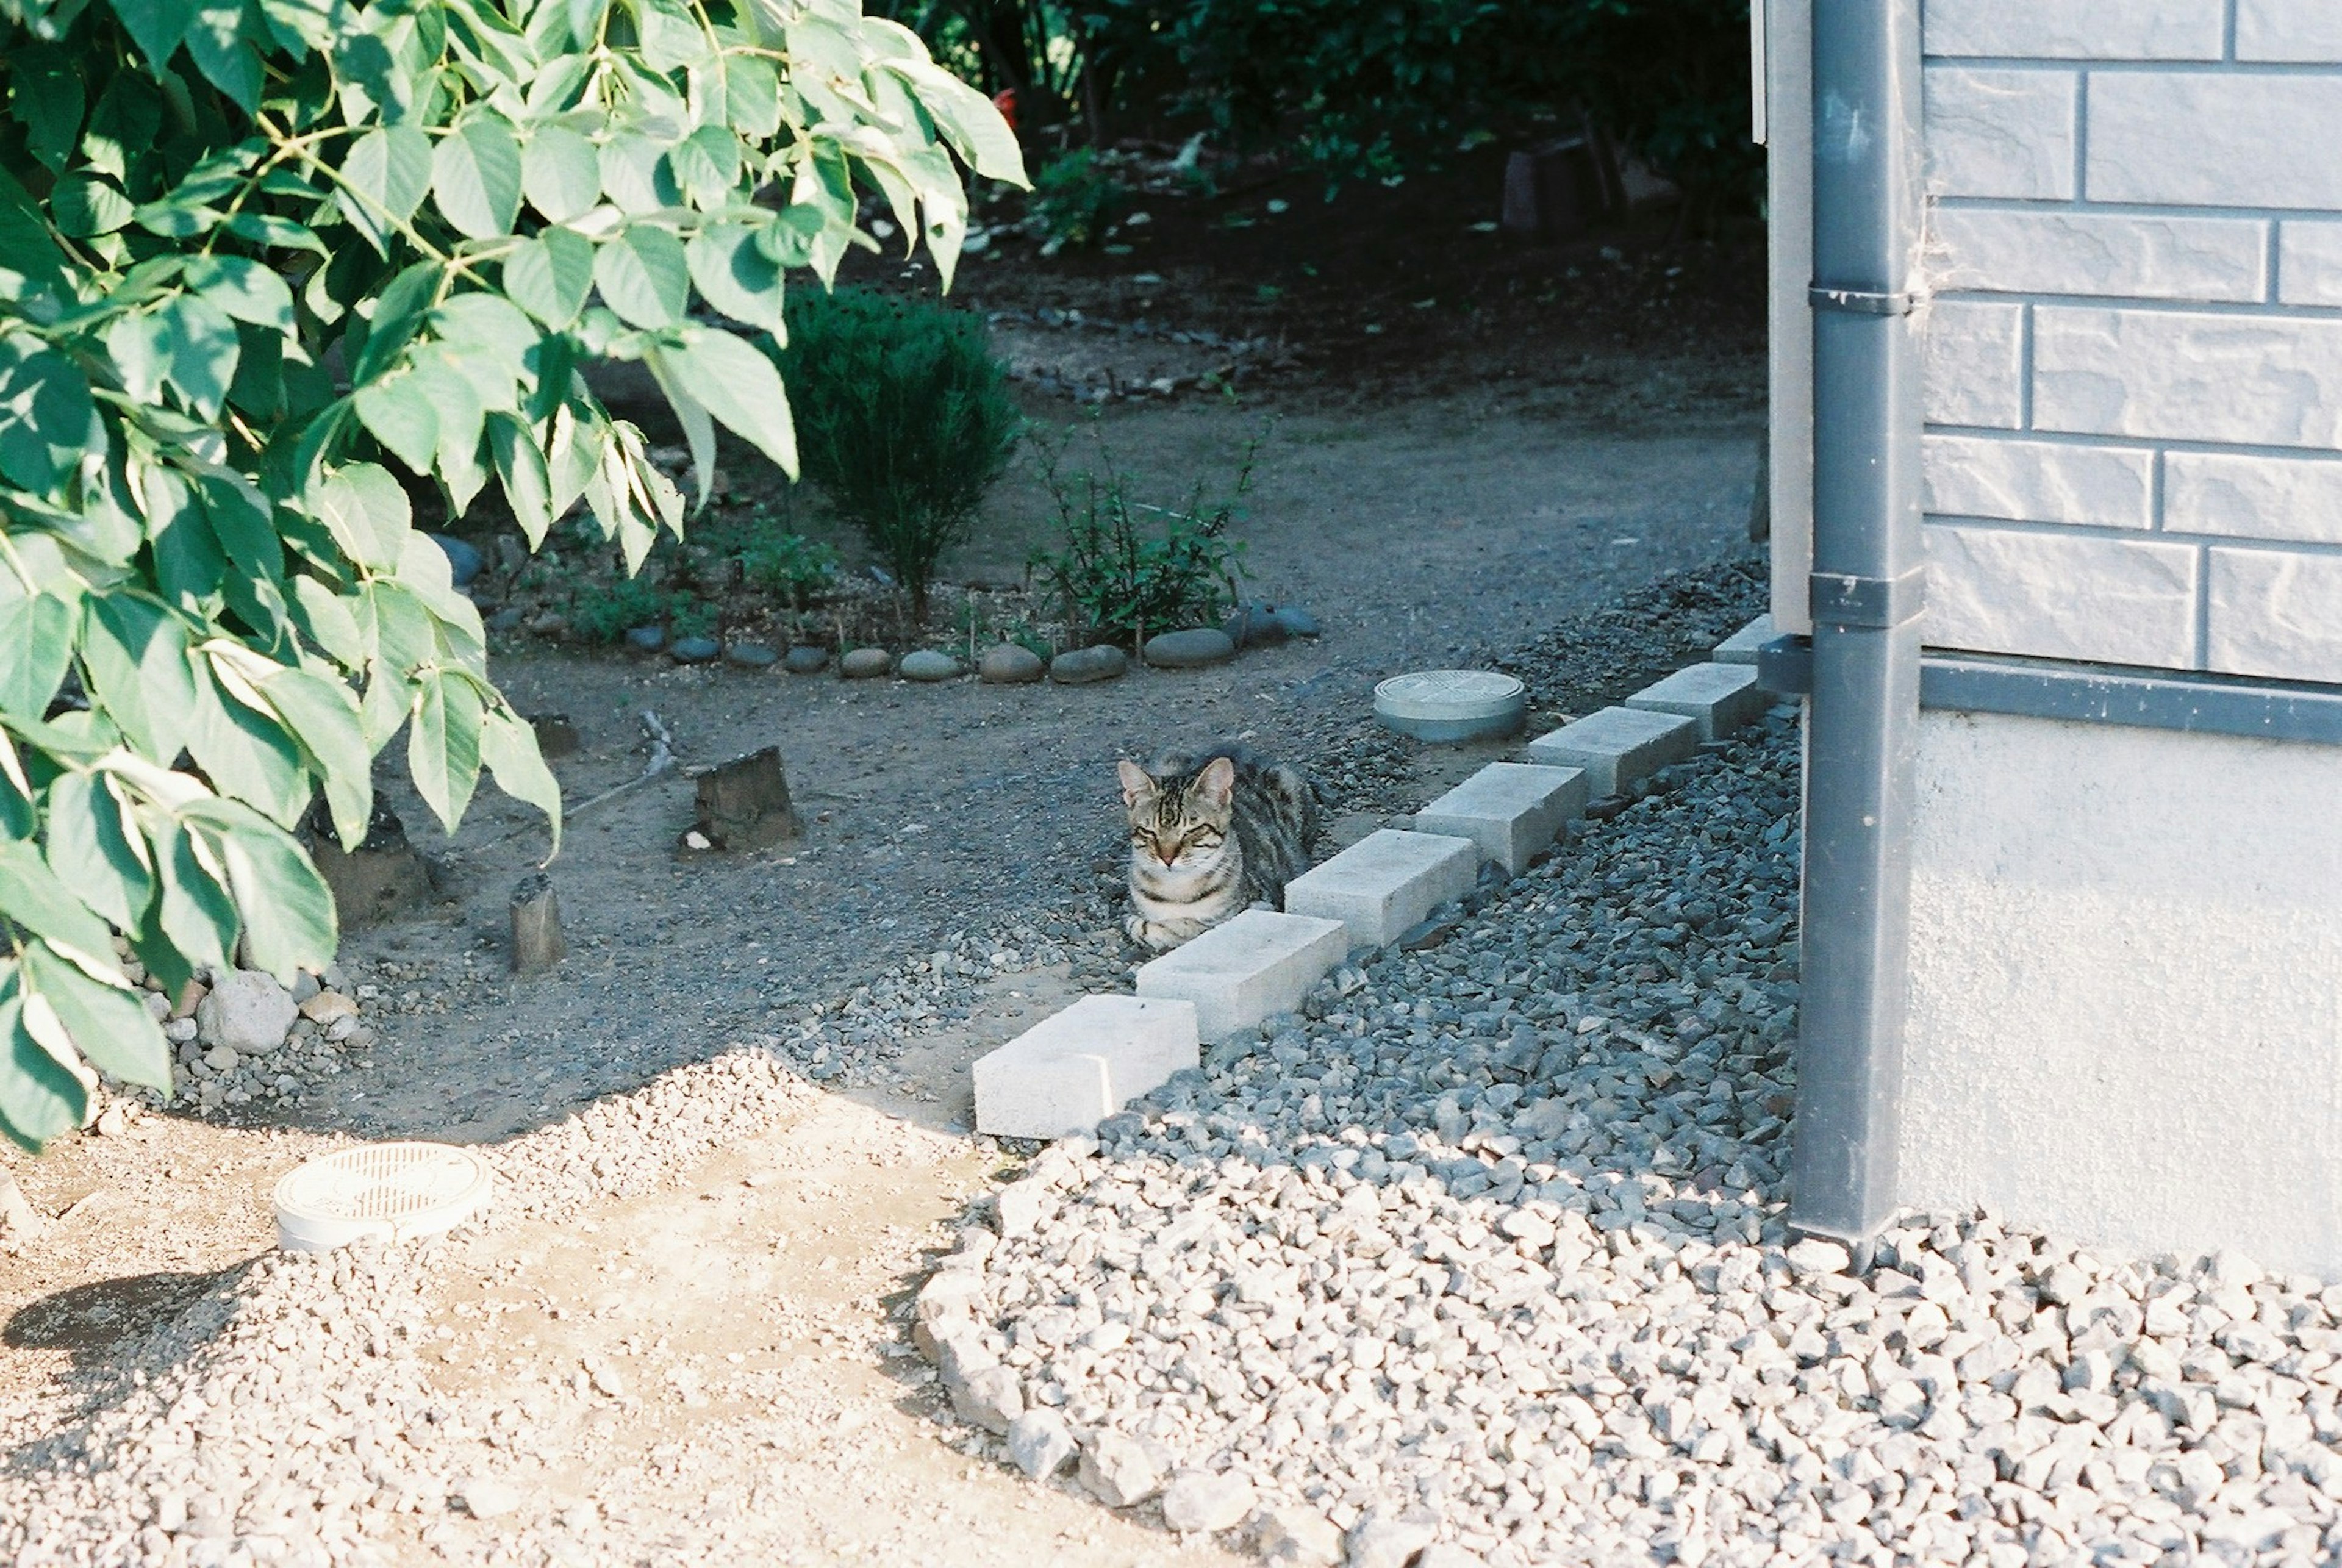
[1452,705]
[389,1192]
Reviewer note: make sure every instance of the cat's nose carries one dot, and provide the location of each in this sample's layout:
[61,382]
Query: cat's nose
[1166,856]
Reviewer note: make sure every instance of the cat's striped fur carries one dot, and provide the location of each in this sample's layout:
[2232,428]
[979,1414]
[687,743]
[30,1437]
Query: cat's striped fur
[1210,835]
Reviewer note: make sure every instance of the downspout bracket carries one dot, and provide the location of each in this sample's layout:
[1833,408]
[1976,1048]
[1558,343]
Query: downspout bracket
[1878,604]
[1860,302]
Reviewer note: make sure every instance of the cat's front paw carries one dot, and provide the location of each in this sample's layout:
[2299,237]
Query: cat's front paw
[1155,935]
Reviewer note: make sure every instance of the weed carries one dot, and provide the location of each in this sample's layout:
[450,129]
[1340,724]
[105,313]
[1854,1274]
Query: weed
[1129,574]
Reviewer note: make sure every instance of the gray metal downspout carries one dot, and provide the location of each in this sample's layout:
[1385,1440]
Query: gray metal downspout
[1868,576]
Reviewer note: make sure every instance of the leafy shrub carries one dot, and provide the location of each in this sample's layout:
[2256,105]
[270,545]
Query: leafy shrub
[604,614]
[789,565]
[200,208]
[903,419]
[1120,573]
[1075,199]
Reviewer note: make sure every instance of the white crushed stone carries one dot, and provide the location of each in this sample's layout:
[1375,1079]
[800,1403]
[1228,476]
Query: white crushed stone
[1488,1253]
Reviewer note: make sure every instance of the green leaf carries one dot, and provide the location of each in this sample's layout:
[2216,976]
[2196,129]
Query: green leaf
[91,851]
[188,344]
[369,515]
[328,623]
[87,206]
[287,909]
[45,97]
[964,116]
[246,755]
[560,173]
[35,900]
[157,26]
[508,747]
[550,275]
[740,387]
[36,644]
[277,233]
[698,431]
[735,277]
[707,164]
[520,465]
[188,564]
[108,1023]
[644,277]
[197,915]
[244,526]
[486,325]
[244,289]
[389,172]
[215,43]
[475,178]
[399,313]
[40,1099]
[134,654]
[46,414]
[323,716]
[398,413]
[635,174]
[443,745]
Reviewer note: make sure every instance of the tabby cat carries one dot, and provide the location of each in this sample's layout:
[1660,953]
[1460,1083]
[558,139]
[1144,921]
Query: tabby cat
[1209,837]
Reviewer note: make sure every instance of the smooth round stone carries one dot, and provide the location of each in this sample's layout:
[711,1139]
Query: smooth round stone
[805,661]
[1452,705]
[751,656]
[1190,649]
[1084,665]
[649,639]
[463,562]
[694,650]
[1010,664]
[867,663]
[926,665]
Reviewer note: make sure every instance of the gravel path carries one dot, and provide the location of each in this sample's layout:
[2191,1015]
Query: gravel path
[1488,1251]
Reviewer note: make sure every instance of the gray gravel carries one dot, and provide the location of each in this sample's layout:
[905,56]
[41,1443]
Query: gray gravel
[1488,1250]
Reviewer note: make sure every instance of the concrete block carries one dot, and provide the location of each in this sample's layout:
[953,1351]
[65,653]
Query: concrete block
[2061,595]
[1384,882]
[1239,973]
[2306,31]
[1719,698]
[2188,377]
[1617,747]
[2215,138]
[2078,29]
[2248,497]
[1067,1073]
[2275,612]
[1741,648]
[1510,810]
[1972,370]
[2310,260]
[2150,255]
[2039,481]
[1994,133]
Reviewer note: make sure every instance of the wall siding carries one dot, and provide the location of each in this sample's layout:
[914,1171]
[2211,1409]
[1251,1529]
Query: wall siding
[2133,350]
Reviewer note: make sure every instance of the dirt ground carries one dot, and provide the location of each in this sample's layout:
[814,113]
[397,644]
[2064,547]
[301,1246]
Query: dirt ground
[1427,516]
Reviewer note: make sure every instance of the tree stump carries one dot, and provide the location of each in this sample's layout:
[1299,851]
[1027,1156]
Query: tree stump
[745,803]
[537,940]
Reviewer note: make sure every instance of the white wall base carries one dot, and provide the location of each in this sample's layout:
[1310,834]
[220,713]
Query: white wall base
[2126,986]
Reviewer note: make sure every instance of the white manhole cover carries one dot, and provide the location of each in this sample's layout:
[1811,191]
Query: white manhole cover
[1451,704]
[390,1192]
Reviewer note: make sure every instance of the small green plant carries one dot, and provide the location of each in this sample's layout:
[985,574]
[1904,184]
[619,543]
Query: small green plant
[605,613]
[904,418]
[1131,569]
[791,565]
[1075,199]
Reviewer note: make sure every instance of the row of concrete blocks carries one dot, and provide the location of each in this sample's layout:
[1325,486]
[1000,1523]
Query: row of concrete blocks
[1067,1073]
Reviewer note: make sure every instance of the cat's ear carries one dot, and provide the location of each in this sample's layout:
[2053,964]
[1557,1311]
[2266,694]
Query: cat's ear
[1217,782]
[1134,781]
